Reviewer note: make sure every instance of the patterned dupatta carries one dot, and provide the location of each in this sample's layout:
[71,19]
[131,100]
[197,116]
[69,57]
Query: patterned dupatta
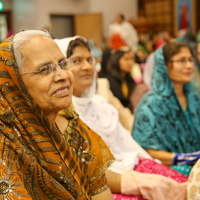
[160,122]
[36,162]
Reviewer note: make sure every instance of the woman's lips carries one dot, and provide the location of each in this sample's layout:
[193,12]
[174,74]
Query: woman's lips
[86,76]
[62,92]
[188,73]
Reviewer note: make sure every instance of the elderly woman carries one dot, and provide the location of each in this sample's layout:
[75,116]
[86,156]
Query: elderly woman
[167,119]
[39,158]
[103,118]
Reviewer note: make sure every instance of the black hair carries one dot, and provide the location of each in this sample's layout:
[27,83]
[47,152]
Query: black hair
[104,62]
[114,66]
[172,48]
[76,43]
[122,16]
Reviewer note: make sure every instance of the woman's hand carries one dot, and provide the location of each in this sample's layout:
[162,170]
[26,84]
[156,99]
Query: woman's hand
[186,158]
[152,186]
[164,156]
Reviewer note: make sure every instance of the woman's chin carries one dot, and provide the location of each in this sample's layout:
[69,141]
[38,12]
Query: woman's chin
[66,105]
[62,105]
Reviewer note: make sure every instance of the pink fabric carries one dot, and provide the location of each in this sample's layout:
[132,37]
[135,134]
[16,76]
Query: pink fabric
[142,66]
[138,79]
[152,167]
[139,91]
[125,197]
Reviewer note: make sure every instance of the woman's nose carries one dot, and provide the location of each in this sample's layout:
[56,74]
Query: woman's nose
[60,74]
[86,64]
[189,64]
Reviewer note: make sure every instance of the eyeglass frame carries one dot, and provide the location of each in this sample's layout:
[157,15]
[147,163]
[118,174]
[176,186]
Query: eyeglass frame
[53,67]
[184,61]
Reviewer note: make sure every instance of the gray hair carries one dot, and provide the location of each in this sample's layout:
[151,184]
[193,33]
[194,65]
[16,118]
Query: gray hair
[21,38]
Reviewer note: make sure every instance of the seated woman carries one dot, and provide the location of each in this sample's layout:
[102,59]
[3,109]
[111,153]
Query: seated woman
[120,79]
[103,89]
[103,118]
[39,157]
[167,119]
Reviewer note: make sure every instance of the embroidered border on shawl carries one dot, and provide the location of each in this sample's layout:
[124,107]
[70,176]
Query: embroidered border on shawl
[99,190]
[103,169]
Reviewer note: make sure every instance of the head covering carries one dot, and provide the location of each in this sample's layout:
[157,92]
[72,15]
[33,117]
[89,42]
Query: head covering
[103,118]
[36,161]
[63,43]
[160,121]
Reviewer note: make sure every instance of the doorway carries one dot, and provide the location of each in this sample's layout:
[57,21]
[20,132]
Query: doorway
[62,25]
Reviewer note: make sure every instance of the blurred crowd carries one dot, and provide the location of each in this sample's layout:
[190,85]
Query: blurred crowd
[118,121]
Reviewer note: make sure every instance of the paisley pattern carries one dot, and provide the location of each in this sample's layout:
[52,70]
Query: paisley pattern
[160,122]
[36,161]
[10,184]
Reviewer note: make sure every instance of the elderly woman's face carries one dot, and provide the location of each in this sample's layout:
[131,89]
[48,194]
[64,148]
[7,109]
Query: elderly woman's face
[51,93]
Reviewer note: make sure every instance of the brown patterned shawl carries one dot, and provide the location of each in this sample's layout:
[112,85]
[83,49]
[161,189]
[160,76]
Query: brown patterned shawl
[36,162]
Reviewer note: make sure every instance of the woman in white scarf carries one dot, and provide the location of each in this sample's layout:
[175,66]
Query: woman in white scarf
[103,118]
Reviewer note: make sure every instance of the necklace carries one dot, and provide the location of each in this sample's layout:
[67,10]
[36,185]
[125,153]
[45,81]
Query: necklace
[58,128]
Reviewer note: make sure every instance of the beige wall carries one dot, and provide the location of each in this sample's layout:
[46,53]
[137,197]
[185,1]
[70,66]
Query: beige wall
[110,8]
[32,14]
[7,4]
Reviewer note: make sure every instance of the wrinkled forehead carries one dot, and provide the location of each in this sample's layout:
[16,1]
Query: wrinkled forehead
[39,51]
[36,43]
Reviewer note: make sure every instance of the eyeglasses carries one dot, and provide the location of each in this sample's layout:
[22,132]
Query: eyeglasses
[49,70]
[78,61]
[184,61]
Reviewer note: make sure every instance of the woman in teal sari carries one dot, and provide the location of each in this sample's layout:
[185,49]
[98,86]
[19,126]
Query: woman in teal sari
[167,119]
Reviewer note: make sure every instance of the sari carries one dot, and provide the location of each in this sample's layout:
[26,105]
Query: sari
[193,187]
[160,121]
[36,161]
[103,118]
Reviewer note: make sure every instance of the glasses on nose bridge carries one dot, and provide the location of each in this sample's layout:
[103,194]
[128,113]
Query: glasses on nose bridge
[78,61]
[49,70]
[184,61]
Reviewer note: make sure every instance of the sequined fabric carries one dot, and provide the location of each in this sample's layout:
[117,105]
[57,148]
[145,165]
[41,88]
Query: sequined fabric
[193,188]
[36,161]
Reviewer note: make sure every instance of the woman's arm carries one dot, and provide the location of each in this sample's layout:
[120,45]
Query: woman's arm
[107,195]
[164,156]
[114,181]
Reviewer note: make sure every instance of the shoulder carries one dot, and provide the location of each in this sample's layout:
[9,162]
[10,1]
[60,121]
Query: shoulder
[147,100]
[96,145]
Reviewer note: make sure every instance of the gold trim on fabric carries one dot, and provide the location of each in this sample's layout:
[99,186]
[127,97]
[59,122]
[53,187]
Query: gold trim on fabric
[18,105]
[5,48]
[32,121]
[102,170]
[10,183]
[100,190]
[4,74]
[15,98]
[23,111]
[6,62]
[9,89]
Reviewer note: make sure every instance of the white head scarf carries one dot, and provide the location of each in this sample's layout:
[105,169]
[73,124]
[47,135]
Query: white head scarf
[103,118]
